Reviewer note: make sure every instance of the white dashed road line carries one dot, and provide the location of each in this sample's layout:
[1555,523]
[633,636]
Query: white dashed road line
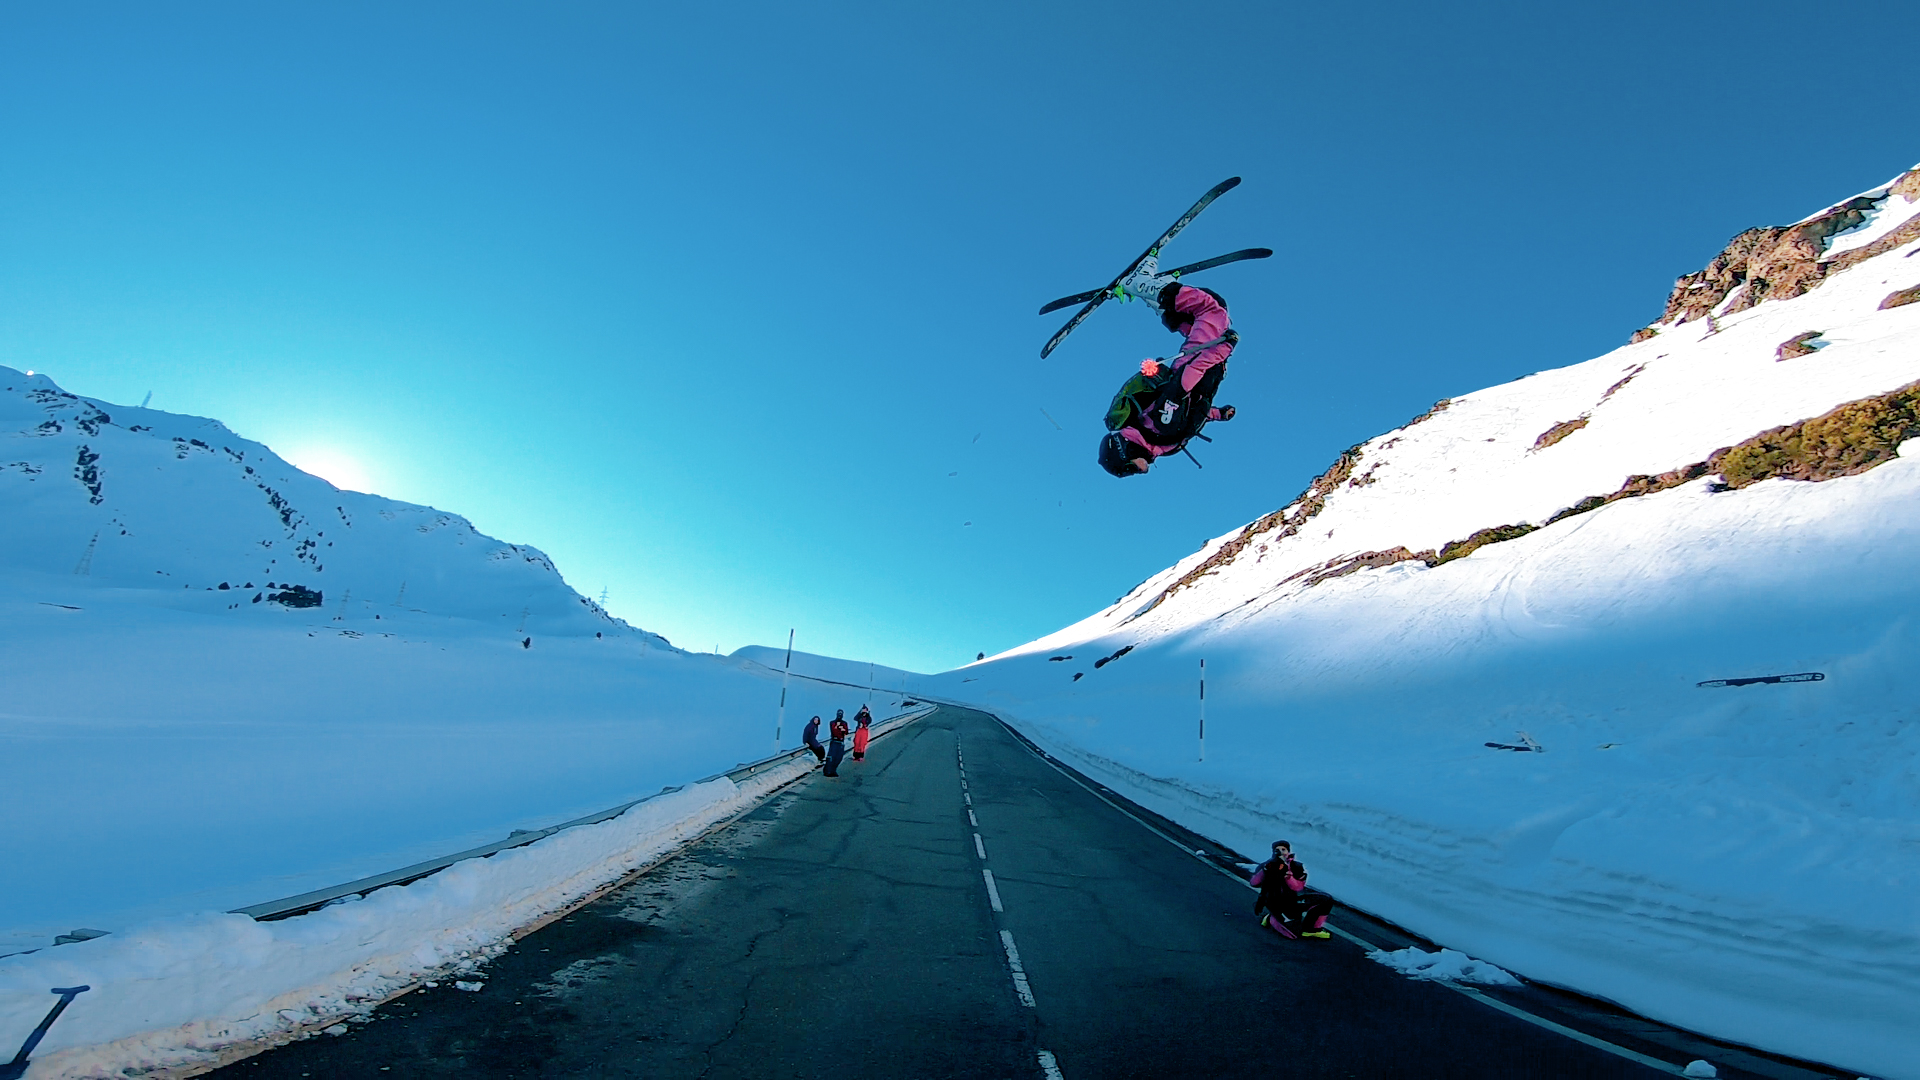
[1019,973]
[1048,1065]
[1516,1013]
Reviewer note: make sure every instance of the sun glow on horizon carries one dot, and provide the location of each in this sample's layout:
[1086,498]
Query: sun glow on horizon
[333,466]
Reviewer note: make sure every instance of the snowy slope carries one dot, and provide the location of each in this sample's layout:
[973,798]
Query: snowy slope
[832,668]
[1739,860]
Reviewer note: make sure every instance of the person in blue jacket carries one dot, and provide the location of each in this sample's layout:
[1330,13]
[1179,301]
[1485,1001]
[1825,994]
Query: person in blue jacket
[811,736]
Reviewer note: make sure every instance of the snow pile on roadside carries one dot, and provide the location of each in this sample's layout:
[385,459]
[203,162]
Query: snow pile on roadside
[184,992]
[1443,966]
[1570,556]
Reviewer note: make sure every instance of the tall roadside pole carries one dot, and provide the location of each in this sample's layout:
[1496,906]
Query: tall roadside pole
[1203,708]
[786,672]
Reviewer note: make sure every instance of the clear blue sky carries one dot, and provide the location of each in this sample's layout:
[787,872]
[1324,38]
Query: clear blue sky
[711,302]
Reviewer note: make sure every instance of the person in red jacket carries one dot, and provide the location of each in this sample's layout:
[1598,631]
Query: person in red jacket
[1170,400]
[862,731]
[836,742]
[1292,909]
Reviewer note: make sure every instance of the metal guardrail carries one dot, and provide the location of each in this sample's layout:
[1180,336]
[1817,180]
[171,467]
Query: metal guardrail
[300,904]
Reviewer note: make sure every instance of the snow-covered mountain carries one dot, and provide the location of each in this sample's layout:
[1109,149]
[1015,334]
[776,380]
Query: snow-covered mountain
[143,499]
[1471,670]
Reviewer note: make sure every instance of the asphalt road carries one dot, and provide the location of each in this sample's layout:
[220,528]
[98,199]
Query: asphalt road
[845,929]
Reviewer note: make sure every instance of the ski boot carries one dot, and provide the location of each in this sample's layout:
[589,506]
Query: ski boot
[1278,926]
[1145,283]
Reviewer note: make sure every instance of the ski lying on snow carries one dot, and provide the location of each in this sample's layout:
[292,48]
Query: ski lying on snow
[1218,190]
[1805,676]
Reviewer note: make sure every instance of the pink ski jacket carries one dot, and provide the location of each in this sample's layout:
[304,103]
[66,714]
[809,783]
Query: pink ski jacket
[1210,323]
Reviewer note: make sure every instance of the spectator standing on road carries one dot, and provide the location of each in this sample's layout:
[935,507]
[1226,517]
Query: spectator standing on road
[837,745]
[1292,909]
[862,731]
[812,738]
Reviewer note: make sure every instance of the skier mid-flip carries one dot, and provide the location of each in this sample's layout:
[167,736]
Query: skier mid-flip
[1157,411]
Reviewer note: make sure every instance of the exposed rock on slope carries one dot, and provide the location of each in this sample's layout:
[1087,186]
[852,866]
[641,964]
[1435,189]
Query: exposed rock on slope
[1779,263]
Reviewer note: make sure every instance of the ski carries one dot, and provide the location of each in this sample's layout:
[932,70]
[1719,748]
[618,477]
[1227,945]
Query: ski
[1218,190]
[1069,301]
[1178,271]
[1221,260]
[1805,676]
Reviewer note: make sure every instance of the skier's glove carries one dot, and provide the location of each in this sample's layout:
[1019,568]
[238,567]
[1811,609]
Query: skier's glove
[1149,368]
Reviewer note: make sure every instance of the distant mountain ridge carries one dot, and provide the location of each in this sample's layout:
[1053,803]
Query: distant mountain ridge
[137,498]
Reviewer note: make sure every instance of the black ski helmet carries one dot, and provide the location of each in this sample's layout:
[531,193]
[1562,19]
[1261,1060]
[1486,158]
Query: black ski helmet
[1117,454]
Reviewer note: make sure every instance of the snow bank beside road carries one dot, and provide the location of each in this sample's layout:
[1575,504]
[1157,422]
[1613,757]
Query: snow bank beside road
[1443,966]
[214,760]
[183,992]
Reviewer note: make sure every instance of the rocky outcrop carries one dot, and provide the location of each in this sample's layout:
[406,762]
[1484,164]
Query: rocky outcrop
[1901,298]
[1844,442]
[1782,262]
[1352,564]
[1460,549]
[1805,344]
[1281,523]
[1764,264]
[86,469]
[1560,431]
[1632,373]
